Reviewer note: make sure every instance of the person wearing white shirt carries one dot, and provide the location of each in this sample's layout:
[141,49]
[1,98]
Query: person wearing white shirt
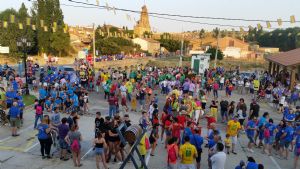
[218,159]
[222,81]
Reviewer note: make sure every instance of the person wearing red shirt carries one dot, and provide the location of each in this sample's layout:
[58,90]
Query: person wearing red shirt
[176,128]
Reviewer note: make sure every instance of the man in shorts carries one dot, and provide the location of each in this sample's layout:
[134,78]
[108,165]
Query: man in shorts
[63,130]
[14,115]
[250,132]
[286,139]
[233,127]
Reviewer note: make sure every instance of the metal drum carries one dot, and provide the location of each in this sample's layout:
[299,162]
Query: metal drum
[132,133]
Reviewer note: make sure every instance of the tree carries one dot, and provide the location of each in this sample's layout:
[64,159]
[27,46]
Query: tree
[51,42]
[202,35]
[212,52]
[215,32]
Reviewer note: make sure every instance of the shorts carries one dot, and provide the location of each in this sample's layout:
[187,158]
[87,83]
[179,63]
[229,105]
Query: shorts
[234,139]
[185,91]
[284,143]
[269,140]
[250,138]
[63,144]
[99,151]
[187,166]
[14,122]
[142,102]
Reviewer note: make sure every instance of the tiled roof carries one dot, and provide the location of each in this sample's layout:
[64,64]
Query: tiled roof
[288,58]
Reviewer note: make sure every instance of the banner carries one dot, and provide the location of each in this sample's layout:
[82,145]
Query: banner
[279,21]
[4,24]
[20,26]
[54,25]
[259,27]
[42,23]
[33,27]
[268,24]
[293,20]
[12,18]
[28,21]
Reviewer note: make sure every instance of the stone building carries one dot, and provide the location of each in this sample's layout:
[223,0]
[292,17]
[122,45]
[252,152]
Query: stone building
[143,24]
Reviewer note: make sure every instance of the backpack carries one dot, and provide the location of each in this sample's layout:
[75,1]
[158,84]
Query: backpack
[172,154]
[39,110]
[267,133]
[147,143]
[75,146]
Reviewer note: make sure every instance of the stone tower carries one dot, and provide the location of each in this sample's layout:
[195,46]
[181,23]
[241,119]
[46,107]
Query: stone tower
[143,24]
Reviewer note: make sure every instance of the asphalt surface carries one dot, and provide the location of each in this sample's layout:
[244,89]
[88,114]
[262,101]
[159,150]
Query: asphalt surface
[23,152]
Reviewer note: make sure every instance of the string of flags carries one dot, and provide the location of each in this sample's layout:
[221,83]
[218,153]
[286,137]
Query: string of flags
[41,24]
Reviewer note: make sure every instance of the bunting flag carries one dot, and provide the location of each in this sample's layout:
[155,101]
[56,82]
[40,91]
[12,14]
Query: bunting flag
[292,18]
[107,7]
[271,34]
[128,17]
[259,27]
[250,28]
[97,2]
[45,28]
[253,35]
[42,23]
[33,27]
[279,21]
[65,30]
[4,24]
[114,9]
[28,21]
[241,29]
[66,26]
[54,25]
[279,34]
[298,34]
[289,34]
[268,24]
[53,29]
[20,26]
[12,18]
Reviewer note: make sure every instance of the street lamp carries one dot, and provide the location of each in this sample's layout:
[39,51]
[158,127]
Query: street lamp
[23,44]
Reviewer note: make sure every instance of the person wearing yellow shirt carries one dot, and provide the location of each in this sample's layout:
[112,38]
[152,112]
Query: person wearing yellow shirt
[187,153]
[233,127]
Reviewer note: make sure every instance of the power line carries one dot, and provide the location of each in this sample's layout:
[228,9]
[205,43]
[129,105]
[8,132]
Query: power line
[187,16]
[161,17]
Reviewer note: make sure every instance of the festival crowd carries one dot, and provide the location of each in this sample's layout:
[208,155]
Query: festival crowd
[186,124]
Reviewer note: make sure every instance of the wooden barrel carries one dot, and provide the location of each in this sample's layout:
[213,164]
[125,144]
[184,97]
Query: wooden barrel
[132,133]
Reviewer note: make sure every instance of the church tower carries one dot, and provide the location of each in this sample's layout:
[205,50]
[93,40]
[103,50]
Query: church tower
[143,24]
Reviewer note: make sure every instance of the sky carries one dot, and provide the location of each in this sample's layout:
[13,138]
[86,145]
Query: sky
[245,9]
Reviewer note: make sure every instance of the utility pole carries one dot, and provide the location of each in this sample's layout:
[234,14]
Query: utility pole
[216,54]
[181,50]
[94,49]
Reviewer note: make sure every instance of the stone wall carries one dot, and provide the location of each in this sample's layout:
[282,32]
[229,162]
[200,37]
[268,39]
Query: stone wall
[122,63]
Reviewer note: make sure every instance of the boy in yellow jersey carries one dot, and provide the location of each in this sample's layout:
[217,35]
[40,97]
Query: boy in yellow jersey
[233,127]
[187,153]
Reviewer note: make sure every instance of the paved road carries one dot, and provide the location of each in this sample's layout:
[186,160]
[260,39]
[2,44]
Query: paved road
[23,152]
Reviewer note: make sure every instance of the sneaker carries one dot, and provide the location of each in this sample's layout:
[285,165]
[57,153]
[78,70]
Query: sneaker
[120,163]
[250,150]
[234,153]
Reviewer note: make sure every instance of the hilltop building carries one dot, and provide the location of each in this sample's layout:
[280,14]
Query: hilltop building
[143,24]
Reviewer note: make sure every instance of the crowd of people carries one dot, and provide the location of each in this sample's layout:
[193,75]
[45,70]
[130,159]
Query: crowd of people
[186,123]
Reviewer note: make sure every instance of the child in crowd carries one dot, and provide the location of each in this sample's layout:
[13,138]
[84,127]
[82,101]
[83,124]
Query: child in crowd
[227,142]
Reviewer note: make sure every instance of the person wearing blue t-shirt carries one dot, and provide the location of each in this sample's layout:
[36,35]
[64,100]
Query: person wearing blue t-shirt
[269,141]
[250,132]
[10,95]
[75,101]
[297,147]
[286,139]
[14,117]
[45,142]
[197,141]
[42,93]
